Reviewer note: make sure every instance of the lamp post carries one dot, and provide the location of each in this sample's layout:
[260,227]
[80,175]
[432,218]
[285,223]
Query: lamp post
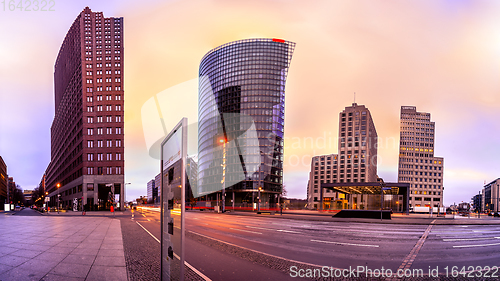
[260,183]
[58,185]
[125,196]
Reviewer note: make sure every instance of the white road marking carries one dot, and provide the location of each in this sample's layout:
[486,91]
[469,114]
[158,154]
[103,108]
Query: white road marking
[470,239]
[245,230]
[347,244]
[480,245]
[149,220]
[272,229]
[177,257]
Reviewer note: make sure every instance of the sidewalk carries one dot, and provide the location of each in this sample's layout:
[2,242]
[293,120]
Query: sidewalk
[61,248]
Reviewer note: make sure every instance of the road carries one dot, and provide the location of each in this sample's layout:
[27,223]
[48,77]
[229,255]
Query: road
[241,247]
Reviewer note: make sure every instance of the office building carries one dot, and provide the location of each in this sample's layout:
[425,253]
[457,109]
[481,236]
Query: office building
[87,161]
[152,192]
[3,183]
[417,164]
[243,93]
[491,198]
[356,161]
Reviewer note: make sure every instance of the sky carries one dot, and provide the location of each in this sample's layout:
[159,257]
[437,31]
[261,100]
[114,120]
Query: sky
[440,56]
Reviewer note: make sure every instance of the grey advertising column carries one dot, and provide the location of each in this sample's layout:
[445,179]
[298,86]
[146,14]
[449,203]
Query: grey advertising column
[173,162]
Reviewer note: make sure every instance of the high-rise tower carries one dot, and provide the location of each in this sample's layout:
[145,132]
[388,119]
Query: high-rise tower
[417,164]
[241,119]
[356,160]
[87,132]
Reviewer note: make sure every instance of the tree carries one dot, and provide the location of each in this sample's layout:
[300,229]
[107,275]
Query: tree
[284,192]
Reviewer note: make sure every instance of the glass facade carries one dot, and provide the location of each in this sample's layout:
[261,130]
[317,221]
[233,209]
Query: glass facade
[241,118]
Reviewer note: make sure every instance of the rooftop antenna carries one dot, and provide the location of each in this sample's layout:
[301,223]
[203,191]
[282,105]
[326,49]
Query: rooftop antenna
[354,97]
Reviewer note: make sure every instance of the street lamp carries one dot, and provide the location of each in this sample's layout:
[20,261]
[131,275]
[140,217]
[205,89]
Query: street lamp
[58,185]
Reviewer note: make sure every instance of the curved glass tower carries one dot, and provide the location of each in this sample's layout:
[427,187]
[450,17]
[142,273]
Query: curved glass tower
[241,119]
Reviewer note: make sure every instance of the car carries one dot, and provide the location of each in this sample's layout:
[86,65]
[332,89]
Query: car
[17,208]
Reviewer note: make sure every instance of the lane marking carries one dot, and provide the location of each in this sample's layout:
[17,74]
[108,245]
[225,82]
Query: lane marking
[149,220]
[347,244]
[258,252]
[410,258]
[272,229]
[148,232]
[177,257]
[245,230]
[480,245]
[470,239]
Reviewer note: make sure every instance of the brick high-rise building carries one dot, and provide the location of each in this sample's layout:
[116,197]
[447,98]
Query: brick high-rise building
[417,164]
[87,133]
[3,183]
[356,160]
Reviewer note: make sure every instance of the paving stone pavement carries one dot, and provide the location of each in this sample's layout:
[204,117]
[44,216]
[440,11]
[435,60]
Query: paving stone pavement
[49,248]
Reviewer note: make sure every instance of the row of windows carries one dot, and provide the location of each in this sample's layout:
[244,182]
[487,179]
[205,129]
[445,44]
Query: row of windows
[109,131]
[108,80]
[105,170]
[421,161]
[100,143]
[99,98]
[419,179]
[89,66]
[404,172]
[100,156]
[99,72]
[100,107]
[109,119]
[426,192]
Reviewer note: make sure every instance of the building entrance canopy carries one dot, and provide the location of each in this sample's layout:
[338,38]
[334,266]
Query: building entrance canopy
[351,190]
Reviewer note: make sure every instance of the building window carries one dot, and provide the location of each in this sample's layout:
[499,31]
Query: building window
[109,156]
[108,107]
[118,118]
[99,156]
[90,157]
[90,144]
[99,108]
[118,131]
[108,97]
[89,98]
[118,156]
[109,143]
[108,171]
[118,143]
[90,170]
[109,119]
[99,143]
[109,131]
[99,119]
[90,131]
[118,170]
[90,120]
[99,98]
[99,131]
[90,109]
[118,107]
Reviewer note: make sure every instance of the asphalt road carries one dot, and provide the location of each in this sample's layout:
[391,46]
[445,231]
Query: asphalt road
[241,247]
